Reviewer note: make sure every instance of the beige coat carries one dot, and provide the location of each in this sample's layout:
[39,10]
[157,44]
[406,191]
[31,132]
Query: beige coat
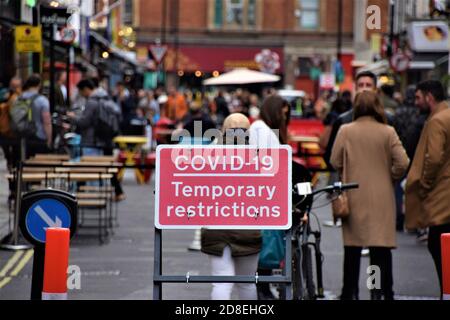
[428,183]
[371,154]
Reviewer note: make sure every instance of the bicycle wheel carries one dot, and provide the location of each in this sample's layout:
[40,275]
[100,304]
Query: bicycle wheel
[303,287]
[308,276]
[297,288]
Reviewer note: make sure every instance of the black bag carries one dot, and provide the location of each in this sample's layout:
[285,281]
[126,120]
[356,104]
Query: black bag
[107,125]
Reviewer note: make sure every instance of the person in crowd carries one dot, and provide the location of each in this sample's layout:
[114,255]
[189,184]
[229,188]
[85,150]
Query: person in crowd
[125,100]
[253,110]
[408,124]
[338,107]
[428,183]
[369,152]
[197,121]
[176,106]
[365,81]
[85,123]
[232,252]
[6,135]
[321,107]
[270,131]
[8,140]
[150,106]
[347,99]
[100,93]
[61,90]
[40,106]
[387,98]
[222,110]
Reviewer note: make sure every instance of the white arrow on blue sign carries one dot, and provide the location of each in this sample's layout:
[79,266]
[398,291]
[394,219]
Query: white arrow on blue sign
[44,214]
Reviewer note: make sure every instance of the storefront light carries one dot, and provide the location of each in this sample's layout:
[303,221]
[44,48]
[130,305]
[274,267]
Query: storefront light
[216,74]
[105,55]
[198,74]
[180,73]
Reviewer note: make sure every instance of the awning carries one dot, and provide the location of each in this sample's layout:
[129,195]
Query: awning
[428,61]
[377,68]
[217,58]
[116,51]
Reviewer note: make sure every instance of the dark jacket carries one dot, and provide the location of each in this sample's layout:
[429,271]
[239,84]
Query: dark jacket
[86,122]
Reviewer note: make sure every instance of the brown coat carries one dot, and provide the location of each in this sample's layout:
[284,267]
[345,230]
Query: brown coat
[371,154]
[428,183]
[241,242]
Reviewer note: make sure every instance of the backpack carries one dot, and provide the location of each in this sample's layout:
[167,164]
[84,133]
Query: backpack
[107,125]
[5,128]
[21,117]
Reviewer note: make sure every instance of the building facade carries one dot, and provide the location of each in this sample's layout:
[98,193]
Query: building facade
[213,36]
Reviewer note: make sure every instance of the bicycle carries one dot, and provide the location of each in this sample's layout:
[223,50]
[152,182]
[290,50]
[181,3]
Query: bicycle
[303,285]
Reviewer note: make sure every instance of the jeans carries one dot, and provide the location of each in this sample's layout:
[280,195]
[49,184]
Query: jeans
[434,246]
[226,265]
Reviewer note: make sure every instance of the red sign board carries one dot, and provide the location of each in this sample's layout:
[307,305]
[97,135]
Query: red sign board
[223,187]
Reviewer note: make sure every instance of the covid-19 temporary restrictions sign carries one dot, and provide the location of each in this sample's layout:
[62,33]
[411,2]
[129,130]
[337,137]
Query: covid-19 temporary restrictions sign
[223,187]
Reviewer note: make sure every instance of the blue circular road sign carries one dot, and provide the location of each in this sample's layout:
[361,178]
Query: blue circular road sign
[44,214]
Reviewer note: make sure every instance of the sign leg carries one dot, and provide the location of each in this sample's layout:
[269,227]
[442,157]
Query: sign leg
[37,282]
[157,269]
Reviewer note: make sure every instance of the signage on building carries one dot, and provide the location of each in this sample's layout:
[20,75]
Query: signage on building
[51,17]
[223,187]
[268,61]
[327,81]
[158,51]
[68,35]
[429,36]
[28,39]
[400,62]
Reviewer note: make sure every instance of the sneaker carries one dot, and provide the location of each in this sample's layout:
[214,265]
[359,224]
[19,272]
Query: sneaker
[422,235]
[331,224]
[120,197]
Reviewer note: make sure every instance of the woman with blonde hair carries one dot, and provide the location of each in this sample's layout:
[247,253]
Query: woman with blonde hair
[369,152]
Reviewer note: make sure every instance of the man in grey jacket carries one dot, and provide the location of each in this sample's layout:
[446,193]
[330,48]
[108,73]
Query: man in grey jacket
[92,145]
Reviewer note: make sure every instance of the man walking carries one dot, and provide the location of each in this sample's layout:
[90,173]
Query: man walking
[428,182]
[40,109]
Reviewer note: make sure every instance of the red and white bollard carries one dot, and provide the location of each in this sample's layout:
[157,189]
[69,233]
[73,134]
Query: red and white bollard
[445,254]
[56,264]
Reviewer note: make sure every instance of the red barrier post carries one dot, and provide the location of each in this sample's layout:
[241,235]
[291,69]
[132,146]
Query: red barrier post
[56,264]
[445,254]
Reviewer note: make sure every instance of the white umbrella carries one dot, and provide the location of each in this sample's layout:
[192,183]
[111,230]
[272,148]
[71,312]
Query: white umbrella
[241,76]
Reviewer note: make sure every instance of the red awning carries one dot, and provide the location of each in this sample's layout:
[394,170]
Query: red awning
[210,59]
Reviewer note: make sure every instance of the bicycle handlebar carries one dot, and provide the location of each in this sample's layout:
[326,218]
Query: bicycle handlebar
[337,187]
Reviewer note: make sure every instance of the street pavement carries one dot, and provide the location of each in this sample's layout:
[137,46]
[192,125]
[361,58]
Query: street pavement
[123,268]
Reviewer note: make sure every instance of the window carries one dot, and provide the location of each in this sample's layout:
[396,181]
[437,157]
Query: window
[237,14]
[308,13]
[127,13]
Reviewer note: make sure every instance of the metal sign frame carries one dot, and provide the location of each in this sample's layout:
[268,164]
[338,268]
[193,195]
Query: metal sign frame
[287,226]
[159,278]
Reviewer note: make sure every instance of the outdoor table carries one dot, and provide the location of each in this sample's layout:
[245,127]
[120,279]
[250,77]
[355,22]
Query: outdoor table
[131,147]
